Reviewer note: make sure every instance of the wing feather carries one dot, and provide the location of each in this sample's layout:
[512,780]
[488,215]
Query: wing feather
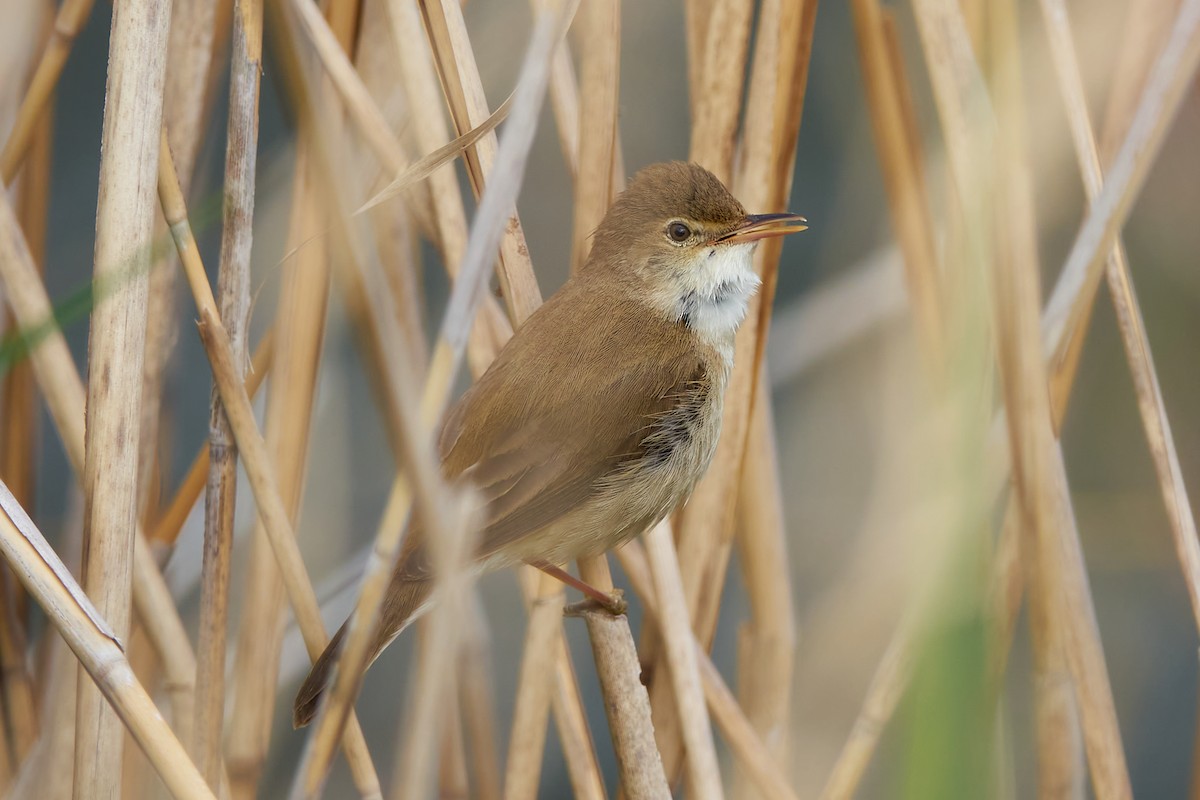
[539,440]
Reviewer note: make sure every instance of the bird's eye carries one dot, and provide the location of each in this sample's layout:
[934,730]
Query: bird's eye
[678,232]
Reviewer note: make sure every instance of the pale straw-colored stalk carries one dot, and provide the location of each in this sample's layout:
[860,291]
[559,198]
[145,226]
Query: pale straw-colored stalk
[241,158]
[679,651]
[1129,316]
[764,774]
[255,456]
[124,224]
[96,645]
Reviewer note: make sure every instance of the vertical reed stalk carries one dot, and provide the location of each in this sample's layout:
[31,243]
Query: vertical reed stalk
[461,83]
[124,222]
[598,132]
[535,689]
[234,294]
[767,642]
[766,776]
[704,778]
[19,459]
[475,672]
[1056,717]
[190,43]
[707,521]
[1129,316]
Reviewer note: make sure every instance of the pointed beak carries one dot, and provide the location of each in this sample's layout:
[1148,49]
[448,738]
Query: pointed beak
[763,226]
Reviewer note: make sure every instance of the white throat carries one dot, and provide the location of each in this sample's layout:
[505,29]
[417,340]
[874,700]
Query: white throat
[713,295]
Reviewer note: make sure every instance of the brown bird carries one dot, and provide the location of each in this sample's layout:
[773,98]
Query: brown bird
[603,410]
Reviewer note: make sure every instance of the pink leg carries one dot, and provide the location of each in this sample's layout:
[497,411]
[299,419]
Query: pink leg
[613,603]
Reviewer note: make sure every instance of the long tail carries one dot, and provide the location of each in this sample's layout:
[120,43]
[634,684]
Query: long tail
[404,599]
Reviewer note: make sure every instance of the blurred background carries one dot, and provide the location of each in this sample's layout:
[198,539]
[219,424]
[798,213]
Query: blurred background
[851,404]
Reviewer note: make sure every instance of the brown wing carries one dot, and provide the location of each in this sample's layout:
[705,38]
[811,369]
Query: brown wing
[568,402]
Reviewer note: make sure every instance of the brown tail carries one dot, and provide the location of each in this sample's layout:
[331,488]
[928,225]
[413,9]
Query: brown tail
[404,598]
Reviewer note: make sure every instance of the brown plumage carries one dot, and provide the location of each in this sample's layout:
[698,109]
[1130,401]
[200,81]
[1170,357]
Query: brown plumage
[604,409]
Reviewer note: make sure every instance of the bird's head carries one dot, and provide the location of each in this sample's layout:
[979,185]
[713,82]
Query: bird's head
[686,242]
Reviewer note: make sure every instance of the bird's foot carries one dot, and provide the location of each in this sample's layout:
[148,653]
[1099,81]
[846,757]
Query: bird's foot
[612,603]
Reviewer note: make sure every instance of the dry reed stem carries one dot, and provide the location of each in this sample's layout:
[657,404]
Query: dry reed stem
[475,670]
[64,393]
[450,219]
[493,213]
[277,525]
[772,124]
[600,91]
[1042,477]
[535,690]
[53,366]
[461,82]
[99,651]
[124,226]
[309,96]
[433,682]
[234,291]
[168,526]
[67,23]
[570,717]
[422,474]
[190,42]
[300,324]
[770,141]
[463,88]
[19,434]
[300,327]
[541,591]
[903,177]
[21,424]
[679,651]
[20,713]
[452,779]
[888,681]
[1144,32]
[765,774]
[626,702]
[564,100]
[767,642]
[718,93]
[357,100]
[1015,303]
[1165,90]
[696,17]
[1129,316]
[254,452]
[883,695]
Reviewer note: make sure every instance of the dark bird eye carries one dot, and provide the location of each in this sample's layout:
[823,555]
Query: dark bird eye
[678,232]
